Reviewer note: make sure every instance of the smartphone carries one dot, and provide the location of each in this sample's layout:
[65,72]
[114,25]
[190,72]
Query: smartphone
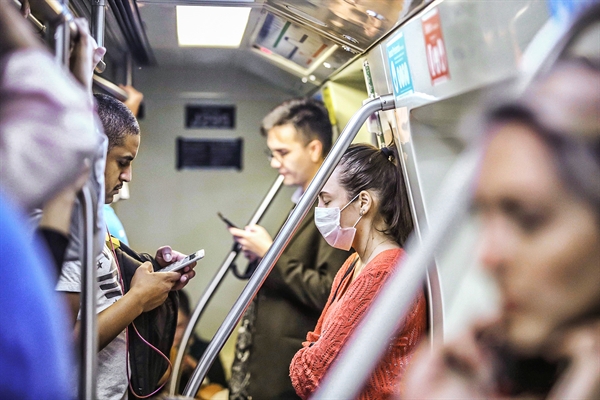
[228,222]
[177,265]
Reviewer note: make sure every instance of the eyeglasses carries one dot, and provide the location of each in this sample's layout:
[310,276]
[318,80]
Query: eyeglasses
[278,155]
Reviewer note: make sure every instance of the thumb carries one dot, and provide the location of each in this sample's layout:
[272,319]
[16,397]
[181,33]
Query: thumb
[99,52]
[165,253]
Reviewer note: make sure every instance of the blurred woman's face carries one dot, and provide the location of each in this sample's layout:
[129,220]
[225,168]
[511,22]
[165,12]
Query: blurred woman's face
[540,241]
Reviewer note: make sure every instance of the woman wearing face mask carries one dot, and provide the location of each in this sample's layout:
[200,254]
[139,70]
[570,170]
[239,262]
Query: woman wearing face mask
[364,206]
[538,198]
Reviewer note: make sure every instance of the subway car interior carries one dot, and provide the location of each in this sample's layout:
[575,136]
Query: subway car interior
[424,77]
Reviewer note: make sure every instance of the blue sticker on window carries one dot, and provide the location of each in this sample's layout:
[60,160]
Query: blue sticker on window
[567,9]
[399,68]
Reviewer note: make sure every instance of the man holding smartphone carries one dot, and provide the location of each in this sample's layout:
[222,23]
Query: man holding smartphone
[123,294]
[299,136]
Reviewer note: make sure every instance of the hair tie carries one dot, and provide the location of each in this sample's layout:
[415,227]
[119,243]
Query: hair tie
[387,153]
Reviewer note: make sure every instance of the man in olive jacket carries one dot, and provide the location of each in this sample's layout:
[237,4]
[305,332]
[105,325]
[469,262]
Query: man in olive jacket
[299,136]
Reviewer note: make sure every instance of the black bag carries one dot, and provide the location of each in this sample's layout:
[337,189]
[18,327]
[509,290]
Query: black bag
[157,327]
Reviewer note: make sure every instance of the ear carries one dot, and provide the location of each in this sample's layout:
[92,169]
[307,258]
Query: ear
[315,150]
[365,201]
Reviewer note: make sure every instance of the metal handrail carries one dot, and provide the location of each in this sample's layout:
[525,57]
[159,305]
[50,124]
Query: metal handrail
[89,336]
[307,201]
[56,12]
[110,88]
[215,283]
[97,27]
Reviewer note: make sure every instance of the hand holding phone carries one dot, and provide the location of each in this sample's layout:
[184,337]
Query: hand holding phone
[227,222]
[177,265]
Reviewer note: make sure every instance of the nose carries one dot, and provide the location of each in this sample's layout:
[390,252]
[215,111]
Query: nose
[126,175]
[275,163]
[494,244]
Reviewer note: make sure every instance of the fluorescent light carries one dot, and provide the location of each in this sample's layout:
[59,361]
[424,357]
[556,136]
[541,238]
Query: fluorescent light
[211,26]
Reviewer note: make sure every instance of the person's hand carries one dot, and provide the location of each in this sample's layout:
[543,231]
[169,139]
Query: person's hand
[134,98]
[165,255]
[152,288]
[255,240]
[25,8]
[189,363]
[581,346]
[85,55]
[462,369]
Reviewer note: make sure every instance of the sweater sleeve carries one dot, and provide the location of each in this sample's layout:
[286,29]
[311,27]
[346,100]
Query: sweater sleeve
[336,324]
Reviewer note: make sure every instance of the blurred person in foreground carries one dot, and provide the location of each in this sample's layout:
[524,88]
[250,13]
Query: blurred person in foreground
[538,198]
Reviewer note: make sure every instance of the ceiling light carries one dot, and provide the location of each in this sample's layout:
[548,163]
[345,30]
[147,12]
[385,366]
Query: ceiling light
[211,26]
[327,65]
[304,79]
[312,78]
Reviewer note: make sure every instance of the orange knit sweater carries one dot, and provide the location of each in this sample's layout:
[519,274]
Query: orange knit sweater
[339,319]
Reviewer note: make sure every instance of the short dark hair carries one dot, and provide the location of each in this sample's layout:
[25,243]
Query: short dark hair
[117,120]
[365,167]
[309,116]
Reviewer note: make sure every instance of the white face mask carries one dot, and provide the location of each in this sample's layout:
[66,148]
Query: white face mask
[328,223]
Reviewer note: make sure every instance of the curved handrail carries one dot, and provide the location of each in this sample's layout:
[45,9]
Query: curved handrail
[382,103]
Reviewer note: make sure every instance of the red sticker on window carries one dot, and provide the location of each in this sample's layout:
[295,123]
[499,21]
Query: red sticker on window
[437,59]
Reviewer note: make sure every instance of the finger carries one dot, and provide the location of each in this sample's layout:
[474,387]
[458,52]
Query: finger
[171,276]
[165,253]
[176,255]
[99,52]
[147,266]
[238,232]
[83,28]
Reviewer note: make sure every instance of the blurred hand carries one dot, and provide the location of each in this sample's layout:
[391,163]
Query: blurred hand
[462,369]
[25,8]
[152,288]
[255,240]
[189,363]
[85,55]
[165,256]
[134,98]
[581,346]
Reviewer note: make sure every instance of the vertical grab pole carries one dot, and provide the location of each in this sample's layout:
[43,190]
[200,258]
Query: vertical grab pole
[59,38]
[97,27]
[89,338]
[385,102]
[214,285]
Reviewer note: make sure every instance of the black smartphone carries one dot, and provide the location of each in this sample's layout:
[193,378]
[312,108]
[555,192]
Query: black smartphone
[228,222]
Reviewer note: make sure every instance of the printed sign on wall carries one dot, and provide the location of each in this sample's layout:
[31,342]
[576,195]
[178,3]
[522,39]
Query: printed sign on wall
[437,59]
[399,68]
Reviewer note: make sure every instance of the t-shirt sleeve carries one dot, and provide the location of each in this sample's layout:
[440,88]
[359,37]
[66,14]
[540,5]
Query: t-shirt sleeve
[70,277]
